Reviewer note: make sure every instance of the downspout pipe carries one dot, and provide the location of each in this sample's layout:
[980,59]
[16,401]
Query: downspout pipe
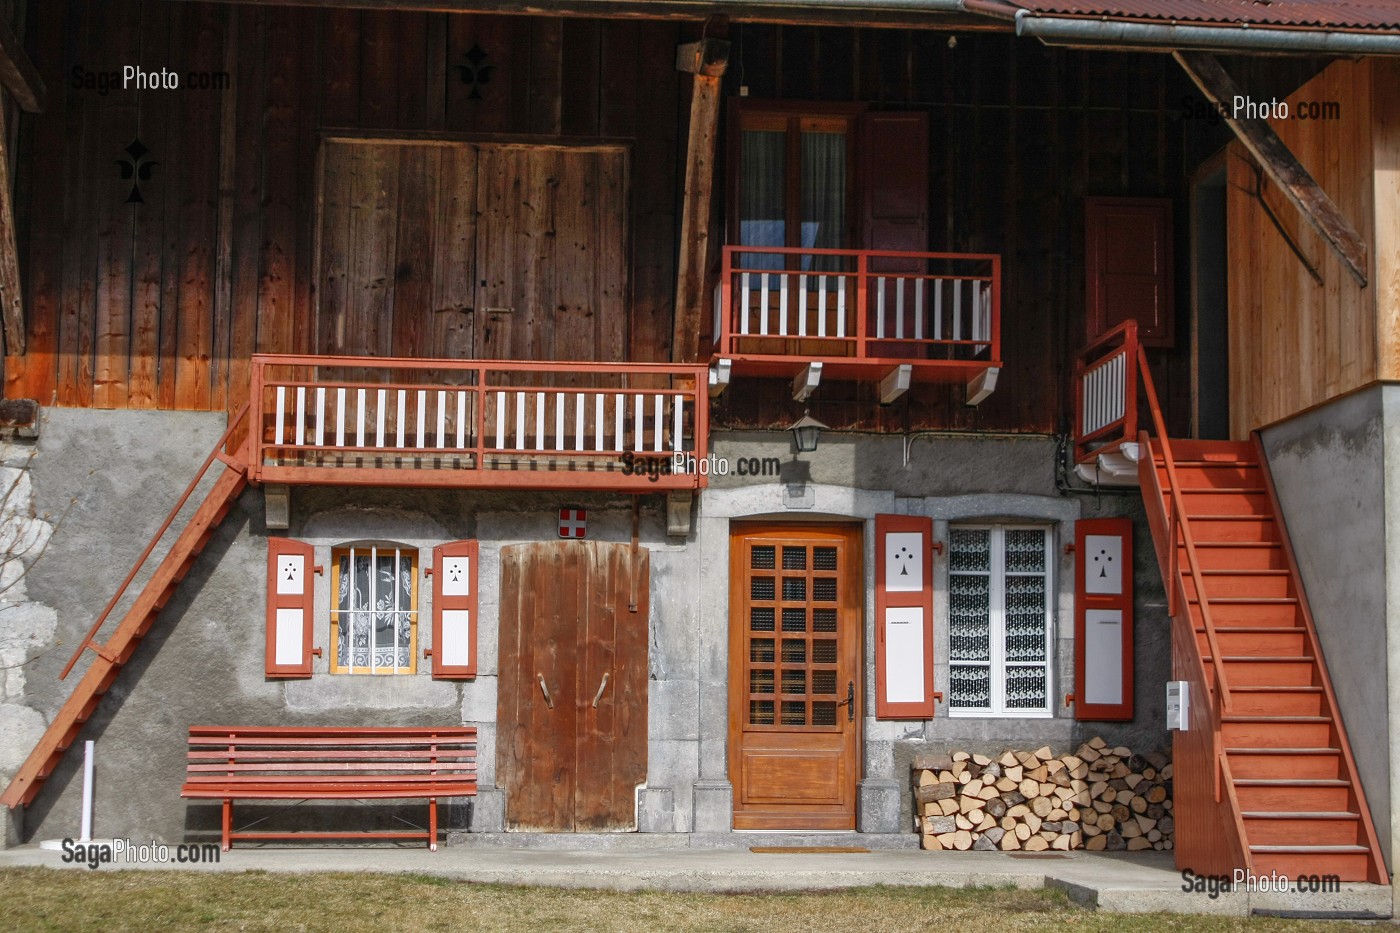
[1161,37]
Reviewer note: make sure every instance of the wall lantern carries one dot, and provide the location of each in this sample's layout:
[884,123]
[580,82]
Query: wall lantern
[806,431]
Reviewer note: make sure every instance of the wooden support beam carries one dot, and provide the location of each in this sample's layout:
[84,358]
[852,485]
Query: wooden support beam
[11,298]
[18,74]
[719,377]
[895,383]
[806,382]
[1278,161]
[708,57]
[982,385]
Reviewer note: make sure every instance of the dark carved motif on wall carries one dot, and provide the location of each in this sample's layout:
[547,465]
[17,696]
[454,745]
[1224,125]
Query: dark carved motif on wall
[136,166]
[476,72]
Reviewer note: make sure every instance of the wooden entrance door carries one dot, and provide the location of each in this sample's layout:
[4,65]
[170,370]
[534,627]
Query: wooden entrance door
[795,676]
[572,702]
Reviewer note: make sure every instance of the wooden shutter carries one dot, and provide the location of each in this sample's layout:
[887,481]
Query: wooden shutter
[893,156]
[1128,267]
[290,608]
[454,610]
[1103,619]
[903,617]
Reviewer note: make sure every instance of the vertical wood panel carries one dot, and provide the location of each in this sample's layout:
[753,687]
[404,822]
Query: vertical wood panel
[1294,342]
[199,115]
[453,297]
[1385,111]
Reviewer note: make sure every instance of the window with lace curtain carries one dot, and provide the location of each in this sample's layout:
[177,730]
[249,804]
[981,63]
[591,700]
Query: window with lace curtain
[999,620]
[374,622]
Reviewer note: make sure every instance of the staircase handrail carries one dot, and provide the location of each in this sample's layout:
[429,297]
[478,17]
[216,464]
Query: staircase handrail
[1177,516]
[215,453]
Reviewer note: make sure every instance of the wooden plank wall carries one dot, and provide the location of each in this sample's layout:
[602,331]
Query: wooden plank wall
[1296,340]
[1020,135]
[159,305]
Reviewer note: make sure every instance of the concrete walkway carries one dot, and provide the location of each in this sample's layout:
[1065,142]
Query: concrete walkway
[1120,882]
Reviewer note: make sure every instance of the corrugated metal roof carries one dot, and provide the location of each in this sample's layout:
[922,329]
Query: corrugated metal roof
[1306,14]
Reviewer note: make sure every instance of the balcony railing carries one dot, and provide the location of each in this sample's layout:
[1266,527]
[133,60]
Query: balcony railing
[473,423]
[859,312]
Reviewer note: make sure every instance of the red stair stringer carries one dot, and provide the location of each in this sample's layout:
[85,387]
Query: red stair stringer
[109,658]
[1264,777]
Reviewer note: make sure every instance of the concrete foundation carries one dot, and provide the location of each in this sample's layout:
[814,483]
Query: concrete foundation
[203,662]
[1335,469]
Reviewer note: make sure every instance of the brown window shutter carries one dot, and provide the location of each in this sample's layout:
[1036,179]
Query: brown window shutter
[290,607]
[454,610]
[903,617]
[1103,619]
[1128,267]
[893,158]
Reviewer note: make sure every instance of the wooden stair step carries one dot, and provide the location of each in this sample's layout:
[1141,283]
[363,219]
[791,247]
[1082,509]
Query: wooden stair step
[1298,815]
[1251,717]
[1313,850]
[1250,600]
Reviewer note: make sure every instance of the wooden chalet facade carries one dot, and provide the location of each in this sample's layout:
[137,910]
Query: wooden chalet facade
[454,284]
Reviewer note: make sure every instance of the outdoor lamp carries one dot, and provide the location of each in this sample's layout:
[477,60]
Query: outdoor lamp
[806,431]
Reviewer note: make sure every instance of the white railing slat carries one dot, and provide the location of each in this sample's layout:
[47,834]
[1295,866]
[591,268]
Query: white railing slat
[919,308]
[442,419]
[619,416]
[402,418]
[678,420]
[422,425]
[462,419]
[659,421]
[880,306]
[821,306]
[744,303]
[519,421]
[899,307]
[558,420]
[783,304]
[598,421]
[320,416]
[957,309]
[340,417]
[280,434]
[937,309]
[802,306]
[301,415]
[841,306]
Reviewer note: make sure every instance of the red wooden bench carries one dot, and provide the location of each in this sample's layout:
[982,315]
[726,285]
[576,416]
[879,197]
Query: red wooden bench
[231,763]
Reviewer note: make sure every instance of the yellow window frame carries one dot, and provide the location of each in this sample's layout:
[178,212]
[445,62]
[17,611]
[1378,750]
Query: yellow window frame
[372,549]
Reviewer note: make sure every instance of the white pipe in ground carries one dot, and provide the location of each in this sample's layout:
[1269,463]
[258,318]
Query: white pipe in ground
[87,792]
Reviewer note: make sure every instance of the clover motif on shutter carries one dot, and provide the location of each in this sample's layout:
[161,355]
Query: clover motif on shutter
[903,617]
[454,610]
[290,608]
[1103,619]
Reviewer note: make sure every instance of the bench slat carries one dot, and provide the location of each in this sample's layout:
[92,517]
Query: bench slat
[331,755]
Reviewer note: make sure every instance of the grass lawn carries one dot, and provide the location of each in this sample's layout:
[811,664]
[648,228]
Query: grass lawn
[107,900]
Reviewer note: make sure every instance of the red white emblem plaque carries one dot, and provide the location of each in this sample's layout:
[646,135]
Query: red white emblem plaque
[573,523]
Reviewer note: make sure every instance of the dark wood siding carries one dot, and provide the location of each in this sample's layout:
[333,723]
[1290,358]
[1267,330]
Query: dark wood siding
[1019,136]
[160,304]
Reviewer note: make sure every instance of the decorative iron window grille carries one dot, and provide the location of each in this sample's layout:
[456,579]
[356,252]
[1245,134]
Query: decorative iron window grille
[374,625]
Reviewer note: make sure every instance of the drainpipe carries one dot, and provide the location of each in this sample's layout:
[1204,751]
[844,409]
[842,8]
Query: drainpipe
[1161,37]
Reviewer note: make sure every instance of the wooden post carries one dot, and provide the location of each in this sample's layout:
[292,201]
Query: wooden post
[11,299]
[1279,162]
[706,60]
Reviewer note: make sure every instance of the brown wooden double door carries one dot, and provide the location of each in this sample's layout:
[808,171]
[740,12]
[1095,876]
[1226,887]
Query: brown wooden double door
[795,676]
[572,703]
[459,250]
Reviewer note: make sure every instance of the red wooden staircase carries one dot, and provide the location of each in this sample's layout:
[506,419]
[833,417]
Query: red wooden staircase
[110,656]
[1283,767]
[1264,777]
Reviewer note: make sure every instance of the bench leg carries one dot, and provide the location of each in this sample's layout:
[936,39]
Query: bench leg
[228,824]
[432,824]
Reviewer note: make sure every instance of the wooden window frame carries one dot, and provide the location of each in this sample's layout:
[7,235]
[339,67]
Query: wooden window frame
[334,611]
[792,117]
[921,600]
[997,625]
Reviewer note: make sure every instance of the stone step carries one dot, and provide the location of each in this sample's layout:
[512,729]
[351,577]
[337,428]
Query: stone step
[624,841]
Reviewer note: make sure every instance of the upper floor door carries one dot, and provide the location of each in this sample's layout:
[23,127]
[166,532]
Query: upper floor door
[454,250]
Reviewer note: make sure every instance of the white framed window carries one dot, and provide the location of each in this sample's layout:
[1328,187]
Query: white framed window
[374,621]
[1000,624]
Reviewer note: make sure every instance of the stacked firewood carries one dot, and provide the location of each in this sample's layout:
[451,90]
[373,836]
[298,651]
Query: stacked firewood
[1100,799]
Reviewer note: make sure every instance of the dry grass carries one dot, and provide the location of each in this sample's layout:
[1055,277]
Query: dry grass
[106,900]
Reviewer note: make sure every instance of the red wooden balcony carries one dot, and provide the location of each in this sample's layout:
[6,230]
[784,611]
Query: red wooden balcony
[473,423]
[893,317]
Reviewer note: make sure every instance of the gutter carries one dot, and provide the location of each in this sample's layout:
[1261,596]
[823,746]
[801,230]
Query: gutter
[1161,37]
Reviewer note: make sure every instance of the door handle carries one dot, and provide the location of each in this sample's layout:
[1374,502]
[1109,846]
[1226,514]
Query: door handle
[548,700]
[601,687]
[850,701]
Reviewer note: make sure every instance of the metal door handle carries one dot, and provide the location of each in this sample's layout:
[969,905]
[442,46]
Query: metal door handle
[850,701]
[601,687]
[548,700]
